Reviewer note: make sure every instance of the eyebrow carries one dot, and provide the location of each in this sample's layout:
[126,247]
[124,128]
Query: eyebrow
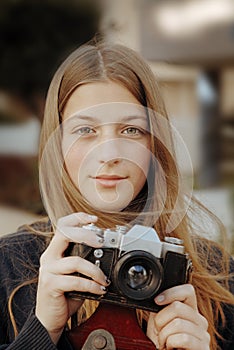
[127,118]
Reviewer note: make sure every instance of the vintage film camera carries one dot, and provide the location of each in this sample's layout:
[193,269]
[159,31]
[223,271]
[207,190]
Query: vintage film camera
[138,264]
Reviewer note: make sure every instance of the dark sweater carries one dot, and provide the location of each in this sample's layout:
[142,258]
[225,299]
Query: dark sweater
[19,261]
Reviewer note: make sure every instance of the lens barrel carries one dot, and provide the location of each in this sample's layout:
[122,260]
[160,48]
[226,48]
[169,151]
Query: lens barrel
[138,275]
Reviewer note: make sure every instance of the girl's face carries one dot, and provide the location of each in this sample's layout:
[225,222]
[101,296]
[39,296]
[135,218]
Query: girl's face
[106,144]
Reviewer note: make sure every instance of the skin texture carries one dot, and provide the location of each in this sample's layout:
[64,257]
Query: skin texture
[103,170]
[53,309]
[106,148]
[179,325]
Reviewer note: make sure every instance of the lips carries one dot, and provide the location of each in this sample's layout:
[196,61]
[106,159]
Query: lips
[109,181]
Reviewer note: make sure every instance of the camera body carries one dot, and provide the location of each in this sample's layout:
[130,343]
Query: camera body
[138,264]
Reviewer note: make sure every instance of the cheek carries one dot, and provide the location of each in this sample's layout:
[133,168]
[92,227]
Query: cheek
[140,170]
[143,158]
[73,160]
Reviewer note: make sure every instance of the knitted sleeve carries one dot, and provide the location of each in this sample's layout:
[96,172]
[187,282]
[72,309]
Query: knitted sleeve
[34,336]
[19,262]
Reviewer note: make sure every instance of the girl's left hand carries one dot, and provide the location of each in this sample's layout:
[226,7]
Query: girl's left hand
[179,325]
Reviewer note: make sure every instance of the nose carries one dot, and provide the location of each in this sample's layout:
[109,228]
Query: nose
[109,152]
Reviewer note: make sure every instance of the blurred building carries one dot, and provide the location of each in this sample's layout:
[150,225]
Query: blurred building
[190,46]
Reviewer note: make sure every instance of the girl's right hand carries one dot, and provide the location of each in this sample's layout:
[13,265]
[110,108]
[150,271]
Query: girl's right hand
[53,308]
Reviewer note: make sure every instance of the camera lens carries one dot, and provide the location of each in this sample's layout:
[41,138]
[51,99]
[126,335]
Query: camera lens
[138,275]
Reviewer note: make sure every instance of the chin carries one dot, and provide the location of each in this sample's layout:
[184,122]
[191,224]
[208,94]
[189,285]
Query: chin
[106,206]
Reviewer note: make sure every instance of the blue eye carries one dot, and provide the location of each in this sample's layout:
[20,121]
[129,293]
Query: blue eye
[132,131]
[85,130]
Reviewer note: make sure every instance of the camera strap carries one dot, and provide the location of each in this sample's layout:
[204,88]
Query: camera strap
[111,327]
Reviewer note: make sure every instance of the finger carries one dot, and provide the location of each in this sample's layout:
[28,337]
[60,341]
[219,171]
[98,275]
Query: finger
[83,235]
[74,264]
[67,226]
[60,242]
[178,309]
[152,332]
[184,293]
[181,326]
[75,219]
[78,284]
[55,249]
[185,341]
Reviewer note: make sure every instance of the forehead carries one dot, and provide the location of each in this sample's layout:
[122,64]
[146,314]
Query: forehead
[95,94]
[113,112]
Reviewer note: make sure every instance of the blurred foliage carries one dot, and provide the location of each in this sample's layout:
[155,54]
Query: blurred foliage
[35,36]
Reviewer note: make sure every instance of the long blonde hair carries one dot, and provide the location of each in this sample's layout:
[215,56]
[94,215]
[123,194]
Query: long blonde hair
[101,62]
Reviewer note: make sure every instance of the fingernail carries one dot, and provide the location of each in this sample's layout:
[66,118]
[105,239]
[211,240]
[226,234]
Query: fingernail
[93,217]
[103,288]
[108,281]
[160,298]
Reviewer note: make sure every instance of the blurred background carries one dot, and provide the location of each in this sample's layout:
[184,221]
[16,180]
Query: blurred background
[190,47]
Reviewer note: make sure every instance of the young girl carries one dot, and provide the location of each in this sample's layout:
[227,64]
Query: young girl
[106,157]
